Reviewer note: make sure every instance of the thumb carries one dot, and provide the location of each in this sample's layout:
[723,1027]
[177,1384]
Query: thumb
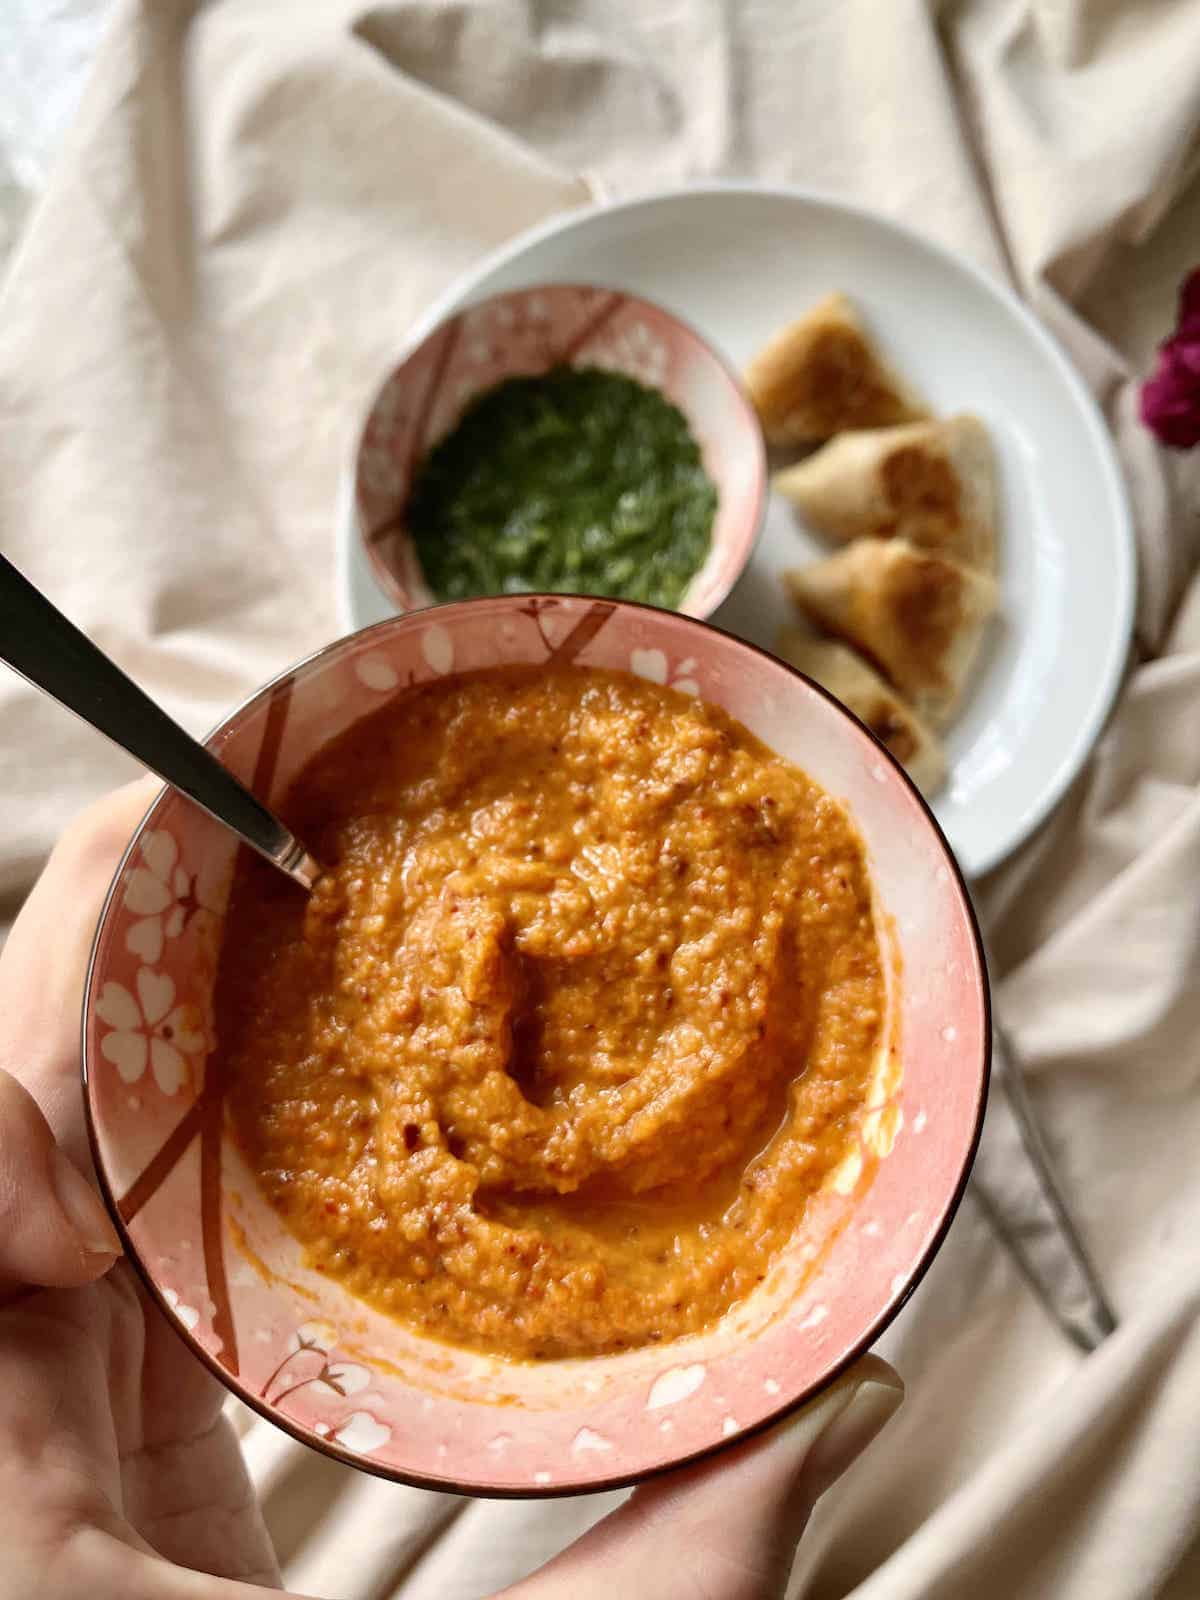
[54,1230]
[727,1528]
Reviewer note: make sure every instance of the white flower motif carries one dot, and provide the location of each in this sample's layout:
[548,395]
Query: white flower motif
[343,1378]
[188,1315]
[634,351]
[438,649]
[337,1377]
[376,672]
[149,1029]
[649,664]
[653,666]
[320,1336]
[160,894]
[675,1384]
[683,681]
[588,1439]
[363,1433]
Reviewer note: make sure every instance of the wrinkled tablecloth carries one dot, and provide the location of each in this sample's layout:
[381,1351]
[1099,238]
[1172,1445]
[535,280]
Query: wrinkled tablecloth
[256,199]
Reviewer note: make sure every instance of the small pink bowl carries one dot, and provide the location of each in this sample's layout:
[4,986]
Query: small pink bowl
[352,1382]
[526,332]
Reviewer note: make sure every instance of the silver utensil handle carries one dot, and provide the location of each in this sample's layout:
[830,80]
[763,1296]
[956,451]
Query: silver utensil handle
[38,642]
[1015,1185]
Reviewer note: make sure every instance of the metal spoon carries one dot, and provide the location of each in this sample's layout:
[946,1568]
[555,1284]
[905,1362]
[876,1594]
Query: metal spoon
[37,641]
[1016,1187]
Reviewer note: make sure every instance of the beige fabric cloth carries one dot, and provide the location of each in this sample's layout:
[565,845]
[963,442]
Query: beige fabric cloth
[257,199]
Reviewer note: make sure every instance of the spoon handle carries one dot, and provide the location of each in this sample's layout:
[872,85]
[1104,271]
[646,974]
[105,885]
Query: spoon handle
[37,641]
[1015,1184]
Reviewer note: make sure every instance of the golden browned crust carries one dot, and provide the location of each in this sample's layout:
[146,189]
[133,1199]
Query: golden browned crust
[924,596]
[920,486]
[882,715]
[823,374]
[859,687]
[919,616]
[932,483]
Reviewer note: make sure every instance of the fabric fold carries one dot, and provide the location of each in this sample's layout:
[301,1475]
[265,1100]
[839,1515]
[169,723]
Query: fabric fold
[256,202]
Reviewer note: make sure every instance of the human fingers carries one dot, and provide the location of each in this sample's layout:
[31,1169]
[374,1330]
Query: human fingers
[54,1230]
[44,961]
[728,1528]
[104,1566]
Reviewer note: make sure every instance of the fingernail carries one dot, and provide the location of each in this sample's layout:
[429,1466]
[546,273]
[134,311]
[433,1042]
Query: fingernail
[871,1407]
[83,1208]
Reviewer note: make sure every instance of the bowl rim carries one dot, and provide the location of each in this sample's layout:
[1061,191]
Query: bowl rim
[560,1489]
[431,324]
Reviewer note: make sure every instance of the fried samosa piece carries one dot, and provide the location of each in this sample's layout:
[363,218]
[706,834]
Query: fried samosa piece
[860,689]
[932,483]
[918,616]
[822,375]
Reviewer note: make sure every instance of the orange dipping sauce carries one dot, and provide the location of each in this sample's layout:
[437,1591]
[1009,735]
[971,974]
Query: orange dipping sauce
[585,1009]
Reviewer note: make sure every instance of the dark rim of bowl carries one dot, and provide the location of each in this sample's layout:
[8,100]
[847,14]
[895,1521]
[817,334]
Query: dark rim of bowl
[384,574]
[551,1491]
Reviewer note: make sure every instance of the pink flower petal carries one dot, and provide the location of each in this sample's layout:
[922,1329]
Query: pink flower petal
[1189,298]
[1170,398]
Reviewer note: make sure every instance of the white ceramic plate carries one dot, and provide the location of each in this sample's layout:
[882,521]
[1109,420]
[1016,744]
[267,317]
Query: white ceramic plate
[737,260]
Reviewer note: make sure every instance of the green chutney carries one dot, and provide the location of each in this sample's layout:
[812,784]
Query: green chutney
[578,480]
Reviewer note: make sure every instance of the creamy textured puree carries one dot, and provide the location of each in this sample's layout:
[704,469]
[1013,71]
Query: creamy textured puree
[584,1010]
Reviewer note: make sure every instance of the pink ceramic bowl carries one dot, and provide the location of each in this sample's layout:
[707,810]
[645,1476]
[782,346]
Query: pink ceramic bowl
[348,1380]
[528,331]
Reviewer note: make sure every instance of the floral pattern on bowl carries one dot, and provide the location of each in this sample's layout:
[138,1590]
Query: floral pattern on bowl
[528,331]
[347,1379]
